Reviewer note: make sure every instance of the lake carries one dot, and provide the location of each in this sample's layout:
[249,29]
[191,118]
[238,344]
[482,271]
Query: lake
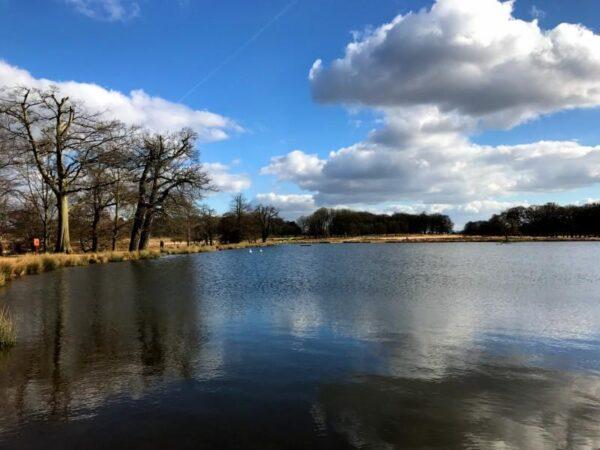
[330,346]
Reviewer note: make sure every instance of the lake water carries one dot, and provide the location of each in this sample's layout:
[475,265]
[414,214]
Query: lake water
[329,346]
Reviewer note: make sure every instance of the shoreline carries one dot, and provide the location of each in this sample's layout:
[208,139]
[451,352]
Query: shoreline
[423,238]
[16,266]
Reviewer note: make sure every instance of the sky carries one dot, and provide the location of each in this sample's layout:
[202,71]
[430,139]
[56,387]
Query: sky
[464,107]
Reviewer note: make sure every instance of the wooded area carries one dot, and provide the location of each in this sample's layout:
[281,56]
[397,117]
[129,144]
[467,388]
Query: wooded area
[78,180]
[345,222]
[541,220]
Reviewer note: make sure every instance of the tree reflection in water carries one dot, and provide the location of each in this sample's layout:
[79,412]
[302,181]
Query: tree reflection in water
[95,334]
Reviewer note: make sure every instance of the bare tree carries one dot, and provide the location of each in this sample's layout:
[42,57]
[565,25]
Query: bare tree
[99,197]
[265,216]
[122,196]
[7,182]
[162,165]
[61,137]
[319,222]
[182,215]
[239,209]
[208,224]
[37,195]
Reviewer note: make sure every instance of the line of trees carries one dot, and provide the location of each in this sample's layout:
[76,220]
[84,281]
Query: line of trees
[73,178]
[344,222]
[66,171]
[242,222]
[540,220]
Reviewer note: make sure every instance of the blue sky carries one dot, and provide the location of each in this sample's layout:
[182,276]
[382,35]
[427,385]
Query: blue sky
[253,58]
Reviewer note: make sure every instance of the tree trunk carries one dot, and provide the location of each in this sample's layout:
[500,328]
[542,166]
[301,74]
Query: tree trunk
[45,234]
[189,232]
[146,230]
[136,227]
[95,223]
[115,229]
[63,240]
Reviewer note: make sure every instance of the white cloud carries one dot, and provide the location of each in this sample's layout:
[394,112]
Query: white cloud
[421,156]
[437,77]
[135,108]
[109,10]
[291,206]
[224,180]
[294,166]
[468,56]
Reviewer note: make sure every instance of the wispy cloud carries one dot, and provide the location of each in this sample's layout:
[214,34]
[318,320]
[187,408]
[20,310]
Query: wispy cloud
[537,13]
[108,10]
[239,50]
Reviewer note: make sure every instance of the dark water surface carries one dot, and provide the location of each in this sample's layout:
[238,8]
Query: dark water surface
[330,346]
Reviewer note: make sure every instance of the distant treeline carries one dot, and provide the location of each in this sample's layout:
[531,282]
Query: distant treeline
[244,222]
[541,220]
[345,222]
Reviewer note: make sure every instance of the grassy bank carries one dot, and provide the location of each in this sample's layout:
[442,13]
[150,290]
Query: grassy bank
[12,267]
[17,266]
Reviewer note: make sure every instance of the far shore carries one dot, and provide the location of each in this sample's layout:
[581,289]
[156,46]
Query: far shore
[428,238]
[16,266]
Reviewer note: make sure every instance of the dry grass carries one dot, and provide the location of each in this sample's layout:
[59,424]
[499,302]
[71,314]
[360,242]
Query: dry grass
[12,267]
[8,334]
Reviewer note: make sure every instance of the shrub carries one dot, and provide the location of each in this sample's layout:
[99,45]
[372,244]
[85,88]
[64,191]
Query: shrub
[19,268]
[33,266]
[6,268]
[8,333]
[49,263]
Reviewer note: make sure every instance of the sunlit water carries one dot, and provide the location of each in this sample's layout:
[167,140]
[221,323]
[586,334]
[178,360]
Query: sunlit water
[330,346]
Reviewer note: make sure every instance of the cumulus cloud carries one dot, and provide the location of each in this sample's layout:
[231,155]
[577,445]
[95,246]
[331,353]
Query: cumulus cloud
[295,166]
[423,156]
[224,180]
[291,206]
[436,77]
[109,10]
[469,56]
[135,108]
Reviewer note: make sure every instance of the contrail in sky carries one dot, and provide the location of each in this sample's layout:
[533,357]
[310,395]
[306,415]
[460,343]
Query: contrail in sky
[240,49]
